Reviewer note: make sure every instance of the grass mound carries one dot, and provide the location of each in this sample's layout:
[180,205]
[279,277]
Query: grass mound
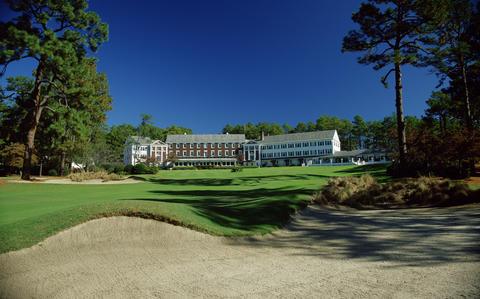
[366,192]
[95,175]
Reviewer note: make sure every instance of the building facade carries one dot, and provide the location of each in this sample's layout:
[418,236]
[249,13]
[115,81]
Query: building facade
[220,150]
[205,150]
[144,150]
[291,149]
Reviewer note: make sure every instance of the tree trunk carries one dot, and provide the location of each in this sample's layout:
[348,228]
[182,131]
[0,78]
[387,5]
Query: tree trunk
[32,120]
[402,140]
[468,113]
[41,168]
[62,164]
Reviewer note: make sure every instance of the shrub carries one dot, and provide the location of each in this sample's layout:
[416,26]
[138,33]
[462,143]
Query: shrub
[113,167]
[187,168]
[52,172]
[237,169]
[202,167]
[95,175]
[118,169]
[144,169]
[128,169]
[108,167]
[365,191]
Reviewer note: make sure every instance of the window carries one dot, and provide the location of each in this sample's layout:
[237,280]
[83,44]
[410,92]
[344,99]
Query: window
[204,154]
[305,153]
[305,144]
[198,153]
[291,145]
[177,153]
[177,145]
[227,153]
[219,153]
[298,145]
[212,153]
[191,153]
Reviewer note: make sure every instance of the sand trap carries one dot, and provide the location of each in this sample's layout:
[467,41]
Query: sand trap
[70,182]
[427,253]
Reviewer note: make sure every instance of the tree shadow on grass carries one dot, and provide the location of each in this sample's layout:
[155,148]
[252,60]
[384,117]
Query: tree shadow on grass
[364,169]
[240,181]
[405,237]
[378,171]
[246,210]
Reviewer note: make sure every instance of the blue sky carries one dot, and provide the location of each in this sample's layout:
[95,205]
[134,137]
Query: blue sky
[203,64]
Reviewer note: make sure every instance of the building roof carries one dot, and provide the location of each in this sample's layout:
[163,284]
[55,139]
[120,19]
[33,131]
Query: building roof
[316,135]
[206,138]
[349,153]
[358,152]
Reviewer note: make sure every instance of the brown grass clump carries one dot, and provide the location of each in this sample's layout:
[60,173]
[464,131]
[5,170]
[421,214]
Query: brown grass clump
[95,175]
[365,191]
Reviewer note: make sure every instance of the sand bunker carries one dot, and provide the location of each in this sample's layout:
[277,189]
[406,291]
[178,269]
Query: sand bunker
[322,254]
[70,182]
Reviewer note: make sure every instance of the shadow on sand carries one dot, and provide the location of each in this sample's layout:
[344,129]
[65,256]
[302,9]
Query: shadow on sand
[409,236]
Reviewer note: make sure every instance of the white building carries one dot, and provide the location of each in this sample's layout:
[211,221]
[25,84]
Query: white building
[144,150]
[291,149]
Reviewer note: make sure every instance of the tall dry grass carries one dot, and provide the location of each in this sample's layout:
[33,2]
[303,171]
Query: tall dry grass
[95,175]
[365,191]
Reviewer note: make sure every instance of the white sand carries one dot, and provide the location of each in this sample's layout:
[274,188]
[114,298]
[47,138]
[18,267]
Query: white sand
[423,253]
[70,182]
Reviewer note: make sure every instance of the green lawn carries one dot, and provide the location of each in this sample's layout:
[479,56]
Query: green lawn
[219,202]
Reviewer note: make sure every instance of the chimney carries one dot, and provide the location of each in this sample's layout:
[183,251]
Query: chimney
[184,133]
[263,136]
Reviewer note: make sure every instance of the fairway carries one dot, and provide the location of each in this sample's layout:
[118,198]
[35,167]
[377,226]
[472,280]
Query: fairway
[220,202]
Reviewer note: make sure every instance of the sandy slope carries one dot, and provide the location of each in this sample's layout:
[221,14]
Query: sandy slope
[343,254]
[64,181]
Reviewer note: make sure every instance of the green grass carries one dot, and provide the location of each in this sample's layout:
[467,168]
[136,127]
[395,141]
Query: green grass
[254,201]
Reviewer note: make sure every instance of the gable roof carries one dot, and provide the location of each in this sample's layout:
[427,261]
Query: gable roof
[206,138]
[316,135]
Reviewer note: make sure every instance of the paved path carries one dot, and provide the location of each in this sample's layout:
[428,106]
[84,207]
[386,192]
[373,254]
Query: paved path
[429,253]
